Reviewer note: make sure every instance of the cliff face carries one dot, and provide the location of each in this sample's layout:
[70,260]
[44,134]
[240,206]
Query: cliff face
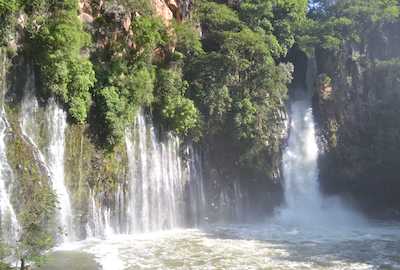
[356,102]
[173,9]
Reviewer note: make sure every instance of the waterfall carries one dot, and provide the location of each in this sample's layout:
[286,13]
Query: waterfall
[8,220]
[163,184]
[48,149]
[197,209]
[57,123]
[305,205]
[300,169]
[9,226]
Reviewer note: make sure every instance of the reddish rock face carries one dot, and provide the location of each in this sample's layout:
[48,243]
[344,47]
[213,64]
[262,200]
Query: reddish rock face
[172,9]
[162,9]
[166,9]
[85,11]
[85,18]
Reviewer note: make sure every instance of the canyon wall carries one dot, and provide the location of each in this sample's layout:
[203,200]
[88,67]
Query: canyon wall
[356,103]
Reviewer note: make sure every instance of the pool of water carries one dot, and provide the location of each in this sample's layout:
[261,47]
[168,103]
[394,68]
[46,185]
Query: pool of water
[267,246]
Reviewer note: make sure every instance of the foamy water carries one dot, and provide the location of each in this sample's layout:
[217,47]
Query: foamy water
[267,246]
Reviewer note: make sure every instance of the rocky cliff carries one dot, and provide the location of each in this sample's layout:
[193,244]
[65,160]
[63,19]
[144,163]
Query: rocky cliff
[356,103]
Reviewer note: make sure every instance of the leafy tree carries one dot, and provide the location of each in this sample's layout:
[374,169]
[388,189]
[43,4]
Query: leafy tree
[187,39]
[37,212]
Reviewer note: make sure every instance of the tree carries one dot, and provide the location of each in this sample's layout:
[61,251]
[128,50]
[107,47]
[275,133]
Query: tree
[37,213]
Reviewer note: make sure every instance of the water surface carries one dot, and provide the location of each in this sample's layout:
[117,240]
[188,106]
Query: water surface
[267,246]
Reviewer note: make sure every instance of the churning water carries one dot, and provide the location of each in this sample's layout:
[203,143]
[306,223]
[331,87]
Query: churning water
[308,232]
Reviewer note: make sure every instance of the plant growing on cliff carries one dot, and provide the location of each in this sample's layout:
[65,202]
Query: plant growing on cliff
[127,80]
[64,72]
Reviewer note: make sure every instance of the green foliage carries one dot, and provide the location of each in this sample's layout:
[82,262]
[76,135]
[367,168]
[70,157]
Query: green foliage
[119,101]
[7,6]
[8,9]
[63,71]
[228,77]
[187,39]
[150,33]
[143,7]
[349,20]
[34,217]
[37,202]
[179,113]
[126,73]
[236,83]
[276,20]
[219,17]
[4,251]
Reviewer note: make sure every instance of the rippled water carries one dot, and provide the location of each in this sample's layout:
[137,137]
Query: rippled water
[270,246]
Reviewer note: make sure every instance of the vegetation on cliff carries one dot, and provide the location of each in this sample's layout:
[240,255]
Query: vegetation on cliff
[226,83]
[357,96]
[238,85]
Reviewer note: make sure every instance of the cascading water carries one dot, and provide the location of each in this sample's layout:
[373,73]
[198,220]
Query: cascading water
[57,123]
[51,154]
[9,226]
[304,203]
[8,220]
[300,169]
[154,196]
[197,209]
